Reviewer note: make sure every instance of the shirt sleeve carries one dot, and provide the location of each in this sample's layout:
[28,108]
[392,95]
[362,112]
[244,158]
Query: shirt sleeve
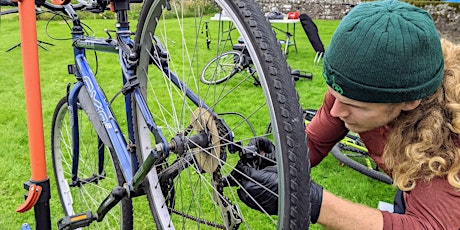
[324,131]
[430,205]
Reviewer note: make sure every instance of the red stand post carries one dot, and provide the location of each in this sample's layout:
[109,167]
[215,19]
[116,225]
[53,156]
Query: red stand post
[32,88]
[38,186]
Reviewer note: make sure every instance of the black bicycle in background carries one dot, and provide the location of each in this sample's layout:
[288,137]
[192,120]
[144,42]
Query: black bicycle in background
[237,61]
[175,140]
[352,152]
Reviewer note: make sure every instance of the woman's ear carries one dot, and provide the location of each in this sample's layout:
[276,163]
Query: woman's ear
[410,105]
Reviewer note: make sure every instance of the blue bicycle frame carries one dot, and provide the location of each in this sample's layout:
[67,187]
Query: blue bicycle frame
[132,173]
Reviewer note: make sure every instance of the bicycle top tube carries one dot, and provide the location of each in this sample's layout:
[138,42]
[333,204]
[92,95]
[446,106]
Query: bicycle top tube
[107,44]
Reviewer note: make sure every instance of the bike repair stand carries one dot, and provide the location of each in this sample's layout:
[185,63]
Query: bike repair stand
[39,43]
[38,186]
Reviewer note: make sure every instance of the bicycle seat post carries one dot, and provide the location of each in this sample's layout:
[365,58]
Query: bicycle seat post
[121,7]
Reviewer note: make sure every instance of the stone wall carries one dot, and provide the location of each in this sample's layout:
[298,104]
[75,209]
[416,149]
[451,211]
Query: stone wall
[317,9]
[446,18]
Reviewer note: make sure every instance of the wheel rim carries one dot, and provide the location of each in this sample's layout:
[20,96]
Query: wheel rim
[88,195]
[220,68]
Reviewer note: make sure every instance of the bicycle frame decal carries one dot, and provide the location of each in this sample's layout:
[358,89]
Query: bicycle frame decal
[104,117]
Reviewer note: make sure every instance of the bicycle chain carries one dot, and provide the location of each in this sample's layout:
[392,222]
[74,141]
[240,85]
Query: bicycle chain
[196,219]
[202,221]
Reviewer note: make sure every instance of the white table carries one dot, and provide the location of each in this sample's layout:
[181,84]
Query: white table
[286,32]
[289,35]
[225,34]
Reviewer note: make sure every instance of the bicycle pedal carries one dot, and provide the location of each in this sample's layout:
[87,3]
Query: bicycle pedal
[76,221]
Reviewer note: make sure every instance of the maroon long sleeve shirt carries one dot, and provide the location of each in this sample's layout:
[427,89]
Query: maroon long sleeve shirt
[433,205]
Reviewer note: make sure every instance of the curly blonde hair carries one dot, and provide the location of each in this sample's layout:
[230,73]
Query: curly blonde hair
[424,143]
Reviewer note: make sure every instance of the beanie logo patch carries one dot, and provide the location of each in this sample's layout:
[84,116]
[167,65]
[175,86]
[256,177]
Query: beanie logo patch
[336,86]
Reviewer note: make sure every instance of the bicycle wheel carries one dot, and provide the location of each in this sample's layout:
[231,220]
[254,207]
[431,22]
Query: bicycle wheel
[358,163]
[221,68]
[97,174]
[187,189]
[353,153]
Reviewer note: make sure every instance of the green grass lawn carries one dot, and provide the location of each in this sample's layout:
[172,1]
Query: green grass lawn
[14,154]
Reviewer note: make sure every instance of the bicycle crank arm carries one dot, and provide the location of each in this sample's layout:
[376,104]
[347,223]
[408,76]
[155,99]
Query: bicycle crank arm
[149,162]
[85,219]
[110,201]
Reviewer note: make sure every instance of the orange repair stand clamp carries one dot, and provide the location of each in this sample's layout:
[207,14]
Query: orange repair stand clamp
[38,187]
[32,198]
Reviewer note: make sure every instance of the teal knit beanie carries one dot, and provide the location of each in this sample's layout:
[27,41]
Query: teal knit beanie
[385,52]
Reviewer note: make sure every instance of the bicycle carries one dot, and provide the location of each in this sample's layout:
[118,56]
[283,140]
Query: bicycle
[180,139]
[236,61]
[352,152]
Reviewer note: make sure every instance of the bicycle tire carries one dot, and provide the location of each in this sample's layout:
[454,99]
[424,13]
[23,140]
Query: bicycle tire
[221,68]
[86,196]
[276,101]
[363,169]
[338,152]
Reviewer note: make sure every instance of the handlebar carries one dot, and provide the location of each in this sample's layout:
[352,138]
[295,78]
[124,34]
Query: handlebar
[54,7]
[8,3]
